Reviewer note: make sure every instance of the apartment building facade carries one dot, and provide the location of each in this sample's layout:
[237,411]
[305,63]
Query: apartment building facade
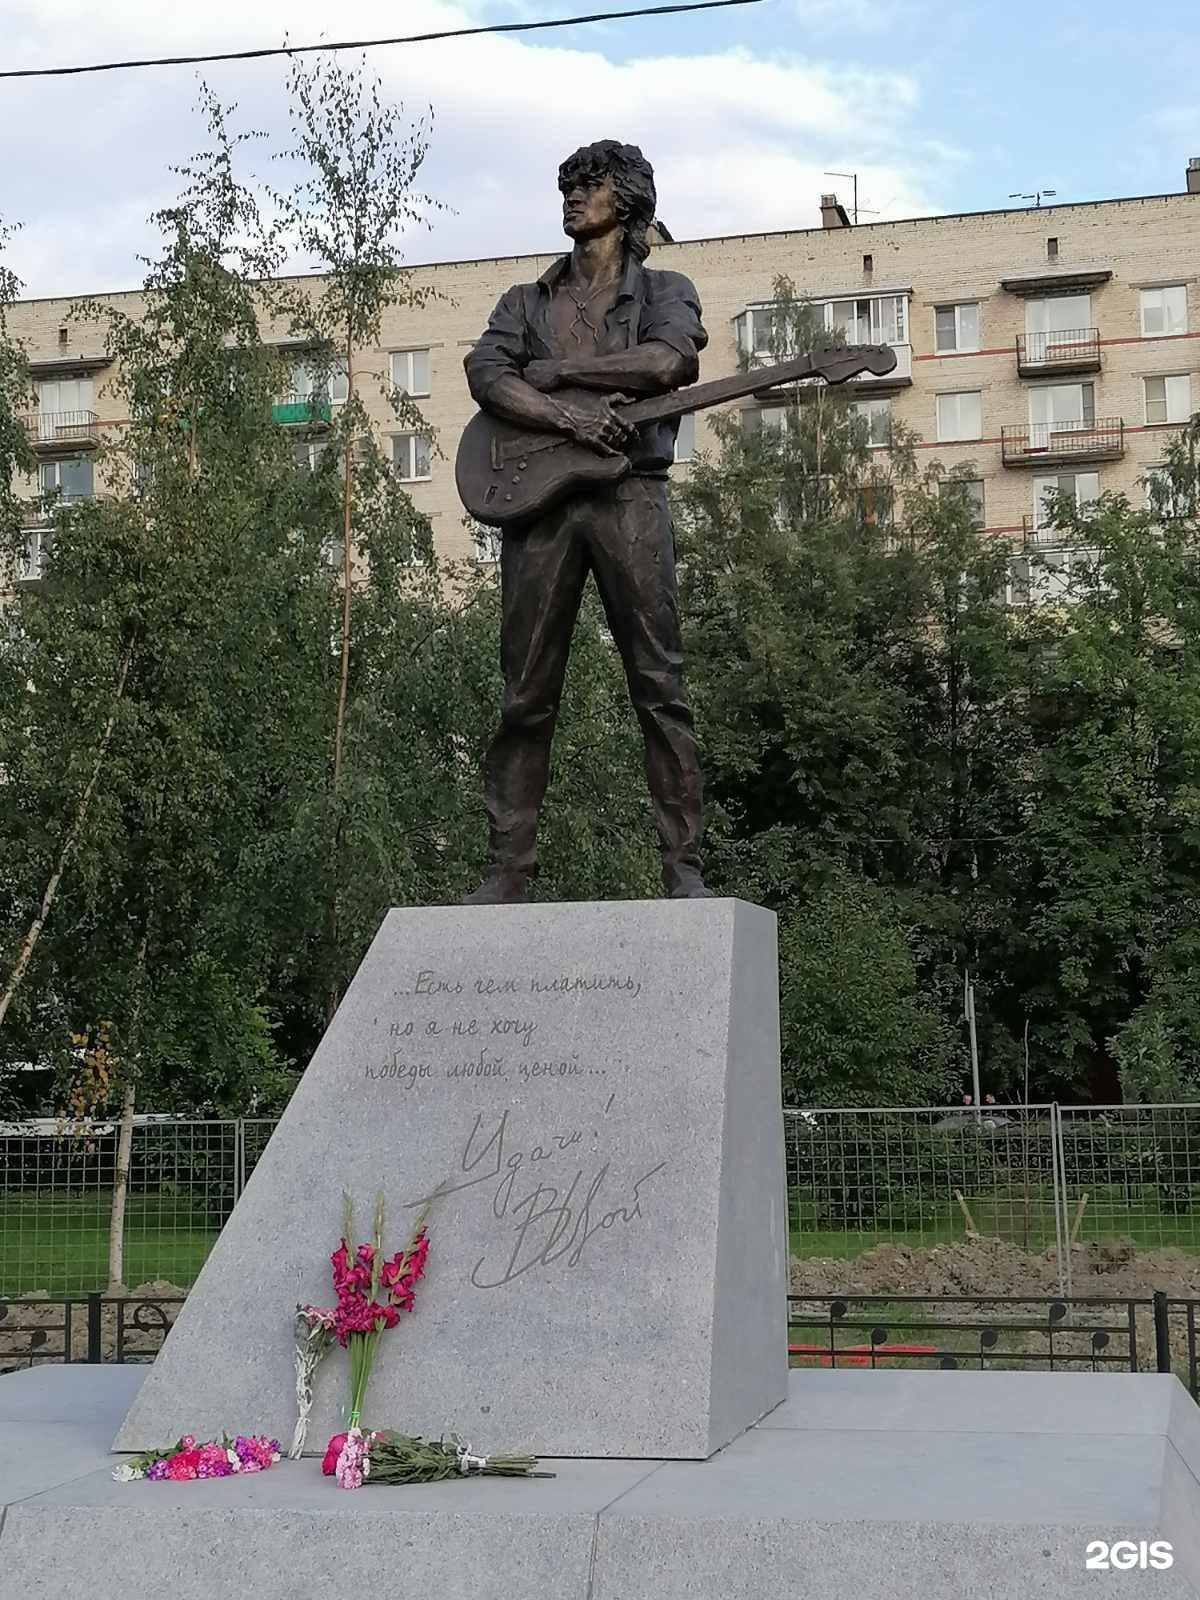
[1052,347]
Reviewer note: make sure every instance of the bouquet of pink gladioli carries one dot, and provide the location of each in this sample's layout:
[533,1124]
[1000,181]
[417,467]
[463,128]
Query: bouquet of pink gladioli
[371,1294]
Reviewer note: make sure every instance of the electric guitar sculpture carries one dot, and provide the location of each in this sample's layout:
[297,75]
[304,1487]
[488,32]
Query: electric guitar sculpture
[508,474]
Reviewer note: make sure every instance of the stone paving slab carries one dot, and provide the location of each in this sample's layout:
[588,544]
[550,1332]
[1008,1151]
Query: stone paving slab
[806,1510]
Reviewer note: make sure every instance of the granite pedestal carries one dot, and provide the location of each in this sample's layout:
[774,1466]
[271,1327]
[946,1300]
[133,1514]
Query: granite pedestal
[589,1094]
[873,1485]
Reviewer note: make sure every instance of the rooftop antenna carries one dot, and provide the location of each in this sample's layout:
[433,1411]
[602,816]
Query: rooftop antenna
[1036,196]
[854,208]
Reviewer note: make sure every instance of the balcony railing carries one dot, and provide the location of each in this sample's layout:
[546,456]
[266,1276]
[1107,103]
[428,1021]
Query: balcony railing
[1038,534]
[302,409]
[1102,439]
[1062,350]
[52,430]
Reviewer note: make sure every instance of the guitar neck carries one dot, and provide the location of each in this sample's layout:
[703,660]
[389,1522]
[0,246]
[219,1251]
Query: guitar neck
[663,407]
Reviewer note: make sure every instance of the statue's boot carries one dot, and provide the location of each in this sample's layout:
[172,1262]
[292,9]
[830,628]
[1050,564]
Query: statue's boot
[685,883]
[500,888]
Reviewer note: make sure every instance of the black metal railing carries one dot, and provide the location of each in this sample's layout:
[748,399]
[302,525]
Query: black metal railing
[959,1331]
[1099,439]
[1065,350]
[61,427]
[1037,534]
[1177,1339]
[89,1327]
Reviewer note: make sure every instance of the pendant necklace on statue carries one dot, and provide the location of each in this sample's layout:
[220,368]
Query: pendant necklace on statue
[582,320]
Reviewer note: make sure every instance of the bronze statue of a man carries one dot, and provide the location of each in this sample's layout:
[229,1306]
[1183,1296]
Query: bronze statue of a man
[599,320]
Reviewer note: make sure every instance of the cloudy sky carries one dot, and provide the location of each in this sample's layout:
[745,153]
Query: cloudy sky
[937,106]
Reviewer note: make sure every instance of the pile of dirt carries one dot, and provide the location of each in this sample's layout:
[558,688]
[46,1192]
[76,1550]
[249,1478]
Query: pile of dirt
[28,1328]
[1115,1268]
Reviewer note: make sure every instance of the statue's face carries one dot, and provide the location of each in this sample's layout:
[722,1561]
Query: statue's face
[590,208]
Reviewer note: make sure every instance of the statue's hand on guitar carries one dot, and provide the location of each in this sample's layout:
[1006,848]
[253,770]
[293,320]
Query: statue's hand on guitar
[598,426]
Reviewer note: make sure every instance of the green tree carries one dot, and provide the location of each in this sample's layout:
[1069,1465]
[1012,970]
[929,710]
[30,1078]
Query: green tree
[1104,942]
[811,597]
[857,1025]
[354,197]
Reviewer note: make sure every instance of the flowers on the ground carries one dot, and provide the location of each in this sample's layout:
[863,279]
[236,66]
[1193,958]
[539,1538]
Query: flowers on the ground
[384,1456]
[185,1459]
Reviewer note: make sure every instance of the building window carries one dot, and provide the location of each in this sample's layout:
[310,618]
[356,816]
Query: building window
[764,332]
[881,320]
[956,327]
[410,371]
[66,394]
[876,415]
[1056,408]
[960,416]
[1164,311]
[1058,313]
[1168,399]
[1163,497]
[64,407]
[764,419]
[876,504]
[311,382]
[967,492]
[485,543]
[1048,575]
[685,439]
[1082,487]
[412,455]
[72,478]
[37,548]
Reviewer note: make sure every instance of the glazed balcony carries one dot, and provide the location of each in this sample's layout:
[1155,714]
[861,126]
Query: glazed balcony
[303,410]
[1051,443]
[62,430]
[1063,350]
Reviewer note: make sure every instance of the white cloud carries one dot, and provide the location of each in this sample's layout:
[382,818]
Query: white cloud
[739,138]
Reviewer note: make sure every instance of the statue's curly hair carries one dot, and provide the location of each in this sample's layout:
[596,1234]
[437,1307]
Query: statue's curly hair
[633,181]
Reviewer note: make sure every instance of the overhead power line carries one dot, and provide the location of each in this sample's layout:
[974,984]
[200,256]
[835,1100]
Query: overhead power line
[371,44]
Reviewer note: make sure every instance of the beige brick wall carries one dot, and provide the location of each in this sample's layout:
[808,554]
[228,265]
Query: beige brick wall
[940,259]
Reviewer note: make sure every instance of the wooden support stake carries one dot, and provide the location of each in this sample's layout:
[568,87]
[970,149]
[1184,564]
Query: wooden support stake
[972,1230]
[1079,1210]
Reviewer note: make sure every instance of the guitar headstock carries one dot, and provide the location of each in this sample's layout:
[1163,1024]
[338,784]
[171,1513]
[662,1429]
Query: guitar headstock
[838,363]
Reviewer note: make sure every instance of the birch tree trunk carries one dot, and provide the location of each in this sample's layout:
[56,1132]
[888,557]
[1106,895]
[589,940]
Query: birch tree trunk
[116,1216]
[34,933]
[333,998]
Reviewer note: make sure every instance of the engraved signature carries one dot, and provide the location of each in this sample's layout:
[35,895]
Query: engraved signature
[549,1222]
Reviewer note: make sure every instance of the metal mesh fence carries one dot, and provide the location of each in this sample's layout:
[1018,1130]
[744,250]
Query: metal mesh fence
[56,1203]
[1036,1176]
[1132,1171]
[921,1177]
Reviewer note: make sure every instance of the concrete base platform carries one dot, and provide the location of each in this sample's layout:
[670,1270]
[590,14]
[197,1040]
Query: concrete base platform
[921,1485]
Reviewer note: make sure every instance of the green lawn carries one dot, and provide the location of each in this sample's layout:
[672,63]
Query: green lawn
[1004,1215]
[59,1242]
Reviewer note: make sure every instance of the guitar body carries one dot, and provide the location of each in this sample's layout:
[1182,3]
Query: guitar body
[507,474]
